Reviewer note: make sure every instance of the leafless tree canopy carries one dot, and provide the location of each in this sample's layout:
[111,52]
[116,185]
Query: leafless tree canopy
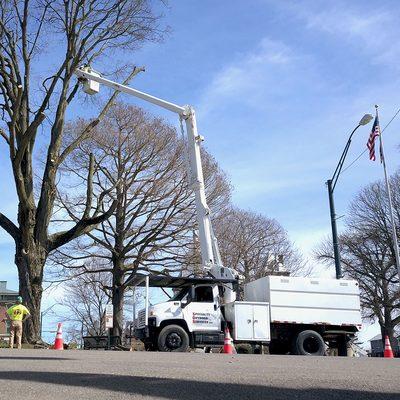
[32,103]
[139,163]
[367,253]
[254,244]
[85,300]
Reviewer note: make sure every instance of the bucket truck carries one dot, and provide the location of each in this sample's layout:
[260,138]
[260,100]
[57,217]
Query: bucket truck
[297,315]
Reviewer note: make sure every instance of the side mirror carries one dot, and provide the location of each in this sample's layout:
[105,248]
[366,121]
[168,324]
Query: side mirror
[184,303]
[192,293]
[217,303]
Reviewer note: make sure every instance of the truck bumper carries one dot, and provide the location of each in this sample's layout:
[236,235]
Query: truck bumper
[202,339]
[148,332]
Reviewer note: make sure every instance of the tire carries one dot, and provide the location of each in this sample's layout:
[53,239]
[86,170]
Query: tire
[173,338]
[309,343]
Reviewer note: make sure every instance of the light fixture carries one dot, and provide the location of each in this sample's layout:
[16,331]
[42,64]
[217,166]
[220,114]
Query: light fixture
[367,118]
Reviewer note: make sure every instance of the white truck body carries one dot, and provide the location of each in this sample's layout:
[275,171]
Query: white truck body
[296,300]
[291,314]
[250,321]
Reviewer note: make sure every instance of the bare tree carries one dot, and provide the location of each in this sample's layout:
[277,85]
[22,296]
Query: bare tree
[367,254]
[85,299]
[85,29]
[255,245]
[141,166]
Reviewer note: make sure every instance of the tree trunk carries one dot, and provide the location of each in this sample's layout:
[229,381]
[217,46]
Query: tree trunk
[118,291]
[118,259]
[30,263]
[388,330]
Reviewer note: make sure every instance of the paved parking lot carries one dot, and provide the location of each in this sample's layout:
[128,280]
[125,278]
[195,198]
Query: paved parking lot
[47,374]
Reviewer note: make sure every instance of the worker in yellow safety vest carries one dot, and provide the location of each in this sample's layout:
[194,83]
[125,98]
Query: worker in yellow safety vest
[18,313]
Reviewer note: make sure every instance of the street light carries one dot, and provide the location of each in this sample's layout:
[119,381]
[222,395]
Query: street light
[331,183]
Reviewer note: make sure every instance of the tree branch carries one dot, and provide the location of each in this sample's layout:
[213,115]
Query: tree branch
[89,128]
[83,226]
[89,190]
[9,226]
[4,135]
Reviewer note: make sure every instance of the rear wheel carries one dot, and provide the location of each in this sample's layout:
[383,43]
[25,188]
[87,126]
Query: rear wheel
[309,343]
[173,338]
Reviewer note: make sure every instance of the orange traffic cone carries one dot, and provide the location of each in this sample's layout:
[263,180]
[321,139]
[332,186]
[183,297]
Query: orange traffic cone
[388,348]
[59,343]
[229,348]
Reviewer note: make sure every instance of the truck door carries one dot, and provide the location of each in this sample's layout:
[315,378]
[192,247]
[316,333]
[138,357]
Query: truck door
[203,312]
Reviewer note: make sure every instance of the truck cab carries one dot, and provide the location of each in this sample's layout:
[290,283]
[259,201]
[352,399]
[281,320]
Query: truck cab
[192,317]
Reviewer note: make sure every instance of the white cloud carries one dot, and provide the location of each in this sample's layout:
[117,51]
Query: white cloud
[245,73]
[258,78]
[276,178]
[371,30]
[345,21]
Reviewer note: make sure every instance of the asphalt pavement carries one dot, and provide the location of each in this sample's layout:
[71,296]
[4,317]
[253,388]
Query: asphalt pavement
[59,375]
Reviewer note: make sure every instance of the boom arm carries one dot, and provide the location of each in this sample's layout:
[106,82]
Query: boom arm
[210,257]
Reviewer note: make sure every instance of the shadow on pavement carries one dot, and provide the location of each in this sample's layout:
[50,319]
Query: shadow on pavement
[186,389]
[33,358]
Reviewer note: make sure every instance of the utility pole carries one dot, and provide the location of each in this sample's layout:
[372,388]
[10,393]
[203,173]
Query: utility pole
[389,194]
[335,241]
[331,183]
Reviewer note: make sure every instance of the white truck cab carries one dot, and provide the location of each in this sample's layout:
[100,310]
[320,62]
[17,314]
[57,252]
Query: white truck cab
[193,317]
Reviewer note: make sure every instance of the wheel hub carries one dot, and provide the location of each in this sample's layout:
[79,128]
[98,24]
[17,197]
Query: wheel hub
[173,340]
[311,345]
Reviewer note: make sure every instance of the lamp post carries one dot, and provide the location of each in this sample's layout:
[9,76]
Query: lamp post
[331,183]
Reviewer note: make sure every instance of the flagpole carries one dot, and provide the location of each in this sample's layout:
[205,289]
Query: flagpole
[389,194]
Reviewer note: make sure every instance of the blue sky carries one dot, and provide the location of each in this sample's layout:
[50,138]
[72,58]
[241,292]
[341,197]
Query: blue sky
[278,86]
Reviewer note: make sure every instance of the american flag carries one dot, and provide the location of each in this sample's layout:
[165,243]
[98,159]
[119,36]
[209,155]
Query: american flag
[371,141]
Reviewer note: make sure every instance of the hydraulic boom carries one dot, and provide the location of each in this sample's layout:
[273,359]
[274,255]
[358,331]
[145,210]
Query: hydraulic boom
[210,257]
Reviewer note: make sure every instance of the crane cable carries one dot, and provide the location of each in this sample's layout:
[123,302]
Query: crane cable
[363,152]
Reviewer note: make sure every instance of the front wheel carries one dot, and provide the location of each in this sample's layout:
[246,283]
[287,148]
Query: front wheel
[309,343]
[173,338]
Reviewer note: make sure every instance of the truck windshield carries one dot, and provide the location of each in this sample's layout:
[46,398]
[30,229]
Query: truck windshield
[179,295]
